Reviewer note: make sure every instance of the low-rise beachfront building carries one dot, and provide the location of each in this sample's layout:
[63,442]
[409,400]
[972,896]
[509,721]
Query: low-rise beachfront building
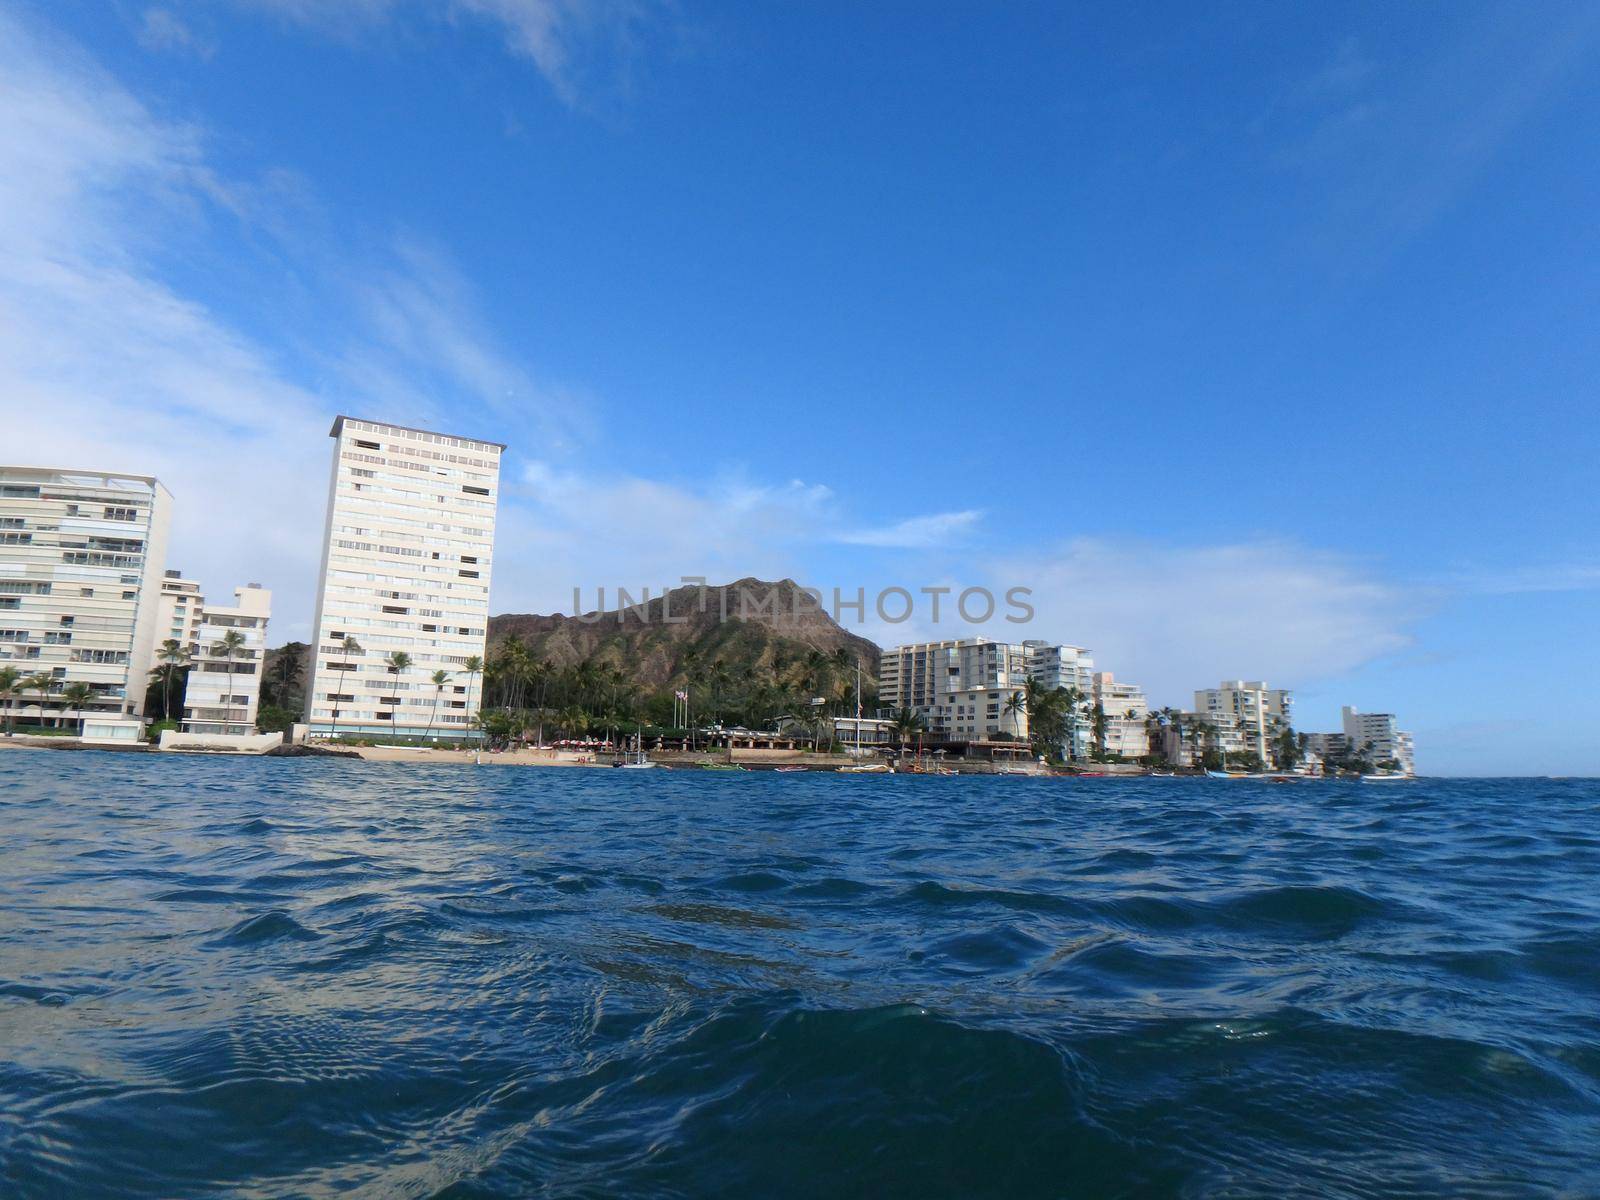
[224,687]
[1261,712]
[1378,738]
[406,564]
[1125,707]
[81,555]
[962,688]
[848,731]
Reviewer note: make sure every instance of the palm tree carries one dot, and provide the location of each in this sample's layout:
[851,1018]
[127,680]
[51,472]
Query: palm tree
[440,678]
[77,695]
[10,688]
[720,678]
[349,648]
[574,720]
[228,647]
[473,667]
[906,723]
[38,682]
[398,662]
[1016,706]
[173,657]
[287,670]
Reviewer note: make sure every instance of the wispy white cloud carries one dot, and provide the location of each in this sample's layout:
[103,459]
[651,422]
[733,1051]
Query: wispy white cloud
[577,45]
[105,363]
[1390,145]
[925,532]
[565,528]
[1175,618]
[163,29]
[1516,581]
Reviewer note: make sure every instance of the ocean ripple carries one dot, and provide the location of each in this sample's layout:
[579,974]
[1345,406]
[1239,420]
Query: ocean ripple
[318,977]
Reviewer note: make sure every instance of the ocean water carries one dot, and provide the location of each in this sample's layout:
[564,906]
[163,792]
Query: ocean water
[280,978]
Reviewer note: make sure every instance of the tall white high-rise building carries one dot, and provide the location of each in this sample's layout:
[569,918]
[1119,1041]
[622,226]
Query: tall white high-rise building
[406,562]
[81,555]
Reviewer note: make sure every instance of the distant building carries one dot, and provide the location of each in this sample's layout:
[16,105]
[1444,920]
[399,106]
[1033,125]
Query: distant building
[1259,712]
[1222,731]
[406,562]
[1377,737]
[81,555]
[1126,708]
[962,688]
[224,688]
[178,608]
[1327,745]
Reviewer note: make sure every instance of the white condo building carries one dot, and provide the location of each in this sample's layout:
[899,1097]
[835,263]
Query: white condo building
[178,608]
[1258,713]
[224,686]
[406,565]
[1377,736]
[1126,708]
[962,688]
[1058,665]
[81,555]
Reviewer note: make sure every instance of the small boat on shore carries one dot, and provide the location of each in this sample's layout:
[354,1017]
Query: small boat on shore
[635,759]
[788,770]
[867,769]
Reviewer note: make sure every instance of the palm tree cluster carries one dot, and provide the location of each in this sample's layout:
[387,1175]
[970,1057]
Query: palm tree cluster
[527,694]
[1058,717]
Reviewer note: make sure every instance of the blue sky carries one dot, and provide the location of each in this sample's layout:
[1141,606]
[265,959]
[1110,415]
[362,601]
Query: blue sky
[1259,340]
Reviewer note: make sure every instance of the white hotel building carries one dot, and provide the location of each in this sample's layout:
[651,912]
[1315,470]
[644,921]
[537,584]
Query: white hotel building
[81,554]
[406,564]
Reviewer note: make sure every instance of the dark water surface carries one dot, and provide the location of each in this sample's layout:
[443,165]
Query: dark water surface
[313,978]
